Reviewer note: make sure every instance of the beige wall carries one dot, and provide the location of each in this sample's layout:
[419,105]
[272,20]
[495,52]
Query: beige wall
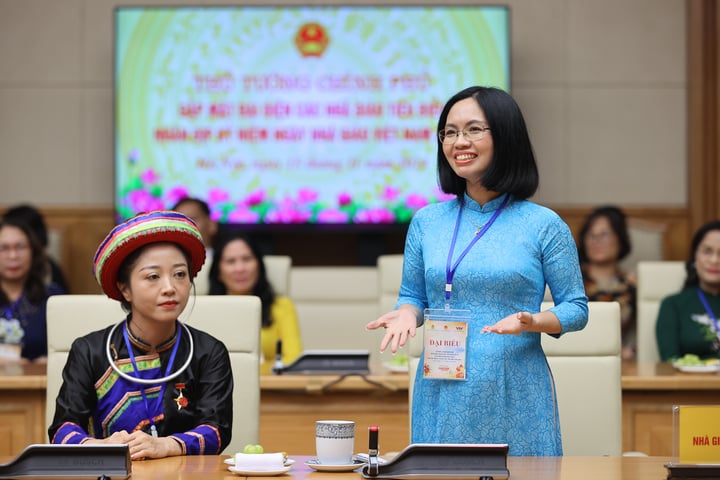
[602,84]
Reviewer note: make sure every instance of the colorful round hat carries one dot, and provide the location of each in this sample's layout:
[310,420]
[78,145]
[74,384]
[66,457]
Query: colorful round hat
[143,229]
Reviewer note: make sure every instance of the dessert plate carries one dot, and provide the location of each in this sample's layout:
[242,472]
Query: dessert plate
[316,465]
[258,472]
[711,368]
[231,461]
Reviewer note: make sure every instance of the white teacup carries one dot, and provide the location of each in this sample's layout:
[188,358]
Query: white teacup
[334,441]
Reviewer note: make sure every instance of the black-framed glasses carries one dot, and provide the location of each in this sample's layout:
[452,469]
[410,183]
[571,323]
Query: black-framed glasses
[450,135]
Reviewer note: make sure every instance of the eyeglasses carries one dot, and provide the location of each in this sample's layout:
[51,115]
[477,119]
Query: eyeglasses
[20,248]
[450,135]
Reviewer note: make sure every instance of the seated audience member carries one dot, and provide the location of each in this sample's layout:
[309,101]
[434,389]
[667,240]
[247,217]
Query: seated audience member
[160,386]
[238,269]
[687,322]
[23,294]
[34,219]
[199,212]
[603,242]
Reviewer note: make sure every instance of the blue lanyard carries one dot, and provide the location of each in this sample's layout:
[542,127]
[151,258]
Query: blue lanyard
[153,429]
[709,311]
[450,268]
[12,309]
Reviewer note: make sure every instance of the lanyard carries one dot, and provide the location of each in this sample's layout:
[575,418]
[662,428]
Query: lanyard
[153,429]
[708,309]
[450,268]
[12,309]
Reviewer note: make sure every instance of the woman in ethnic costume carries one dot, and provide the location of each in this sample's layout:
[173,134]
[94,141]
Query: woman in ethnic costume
[162,387]
[485,258]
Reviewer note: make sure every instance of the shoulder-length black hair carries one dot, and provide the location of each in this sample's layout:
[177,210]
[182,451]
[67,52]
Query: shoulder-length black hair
[35,287]
[262,288]
[618,223]
[513,168]
[692,279]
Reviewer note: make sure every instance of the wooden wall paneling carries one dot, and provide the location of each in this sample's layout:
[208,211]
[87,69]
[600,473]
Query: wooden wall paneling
[703,125]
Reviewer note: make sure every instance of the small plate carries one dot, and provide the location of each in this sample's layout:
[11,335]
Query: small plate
[395,368]
[316,465]
[714,367]
[231,461]
[258,472]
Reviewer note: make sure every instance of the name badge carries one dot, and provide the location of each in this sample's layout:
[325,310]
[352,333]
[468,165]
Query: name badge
[445,344]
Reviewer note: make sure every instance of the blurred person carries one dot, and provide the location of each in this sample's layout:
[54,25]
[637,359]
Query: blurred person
[23,294]
[199,212]
[486,256]
[35,220]
[238,269]
[160,386]
[687,321]
[603,242]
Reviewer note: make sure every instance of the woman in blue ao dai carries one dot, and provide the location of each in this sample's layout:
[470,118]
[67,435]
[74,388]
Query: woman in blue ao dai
[489,251]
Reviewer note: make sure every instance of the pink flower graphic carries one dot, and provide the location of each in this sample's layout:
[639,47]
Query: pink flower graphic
[332,216]
[149,177]
[374,215]
[415,201]
[255,198]
[344,199]
[176,194]
[142,201]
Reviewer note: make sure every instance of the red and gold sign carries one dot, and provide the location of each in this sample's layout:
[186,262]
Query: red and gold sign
[312,40]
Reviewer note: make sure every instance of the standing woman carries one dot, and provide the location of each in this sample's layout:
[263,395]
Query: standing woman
[160,386]
[24,291]
[486,257]
[238,269]
[688,321]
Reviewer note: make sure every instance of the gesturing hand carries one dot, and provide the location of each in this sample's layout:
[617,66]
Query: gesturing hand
[512,324]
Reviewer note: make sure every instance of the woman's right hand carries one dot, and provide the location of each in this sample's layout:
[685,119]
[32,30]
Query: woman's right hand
[399,325]
[121,437]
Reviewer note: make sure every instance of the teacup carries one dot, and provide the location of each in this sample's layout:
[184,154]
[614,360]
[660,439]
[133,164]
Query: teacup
[334,441]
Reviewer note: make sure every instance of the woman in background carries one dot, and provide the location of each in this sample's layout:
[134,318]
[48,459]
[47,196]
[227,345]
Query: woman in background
[603,242]
[23,294]
[687,321]
[238,269]
[149,381]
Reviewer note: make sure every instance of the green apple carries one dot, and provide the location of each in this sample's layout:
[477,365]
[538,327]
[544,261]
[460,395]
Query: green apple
[250,448]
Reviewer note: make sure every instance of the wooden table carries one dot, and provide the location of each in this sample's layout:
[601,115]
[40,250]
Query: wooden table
[521,468]
[22,407]
[649,393]
[290,404]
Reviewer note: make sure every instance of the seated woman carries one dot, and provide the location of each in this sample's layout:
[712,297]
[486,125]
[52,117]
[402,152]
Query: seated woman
[687,321]
[238,269]
[23,294]
[603,242]
[149,381]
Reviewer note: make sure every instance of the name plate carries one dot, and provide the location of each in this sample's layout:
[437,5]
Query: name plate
[698,434]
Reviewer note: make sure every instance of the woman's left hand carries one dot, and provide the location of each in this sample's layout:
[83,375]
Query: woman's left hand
[512,324]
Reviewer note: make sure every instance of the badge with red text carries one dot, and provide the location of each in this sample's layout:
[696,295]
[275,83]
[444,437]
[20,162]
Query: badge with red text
[445,342]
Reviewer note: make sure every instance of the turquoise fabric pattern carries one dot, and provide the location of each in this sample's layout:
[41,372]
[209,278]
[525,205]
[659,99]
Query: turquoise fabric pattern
[509,394]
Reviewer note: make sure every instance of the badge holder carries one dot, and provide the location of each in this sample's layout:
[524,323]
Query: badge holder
[424,461]
[70,461]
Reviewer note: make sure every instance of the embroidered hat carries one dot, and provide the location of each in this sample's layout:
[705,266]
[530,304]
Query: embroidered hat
[143,229]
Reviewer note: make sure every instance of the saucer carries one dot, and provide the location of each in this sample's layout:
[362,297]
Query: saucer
[258,472]
[231,461]
[316,465]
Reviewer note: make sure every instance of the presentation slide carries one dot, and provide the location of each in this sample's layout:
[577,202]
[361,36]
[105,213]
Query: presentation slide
[293,115]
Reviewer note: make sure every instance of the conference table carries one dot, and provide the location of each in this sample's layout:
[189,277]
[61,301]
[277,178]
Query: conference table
[290,404]
[212,467]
